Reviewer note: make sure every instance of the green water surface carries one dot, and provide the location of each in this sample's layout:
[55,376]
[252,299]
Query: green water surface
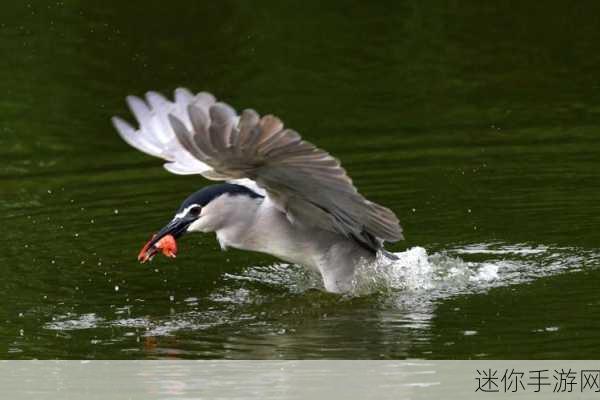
[478,123]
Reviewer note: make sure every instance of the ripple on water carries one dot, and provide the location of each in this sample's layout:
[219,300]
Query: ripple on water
[411,282]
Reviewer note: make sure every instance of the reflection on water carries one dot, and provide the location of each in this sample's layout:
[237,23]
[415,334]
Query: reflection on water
[477,124]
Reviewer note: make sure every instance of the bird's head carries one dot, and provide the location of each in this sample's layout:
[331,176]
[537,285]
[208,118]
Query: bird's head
[200,212]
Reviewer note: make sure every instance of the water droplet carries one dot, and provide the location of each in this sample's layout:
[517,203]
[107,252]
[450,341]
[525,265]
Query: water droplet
[116,288]
[49,191]
[76,235]
[171,297]
[20,315]
[116,211]
[469,210]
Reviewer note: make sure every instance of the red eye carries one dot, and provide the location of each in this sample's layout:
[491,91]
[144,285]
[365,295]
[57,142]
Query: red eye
[195,211]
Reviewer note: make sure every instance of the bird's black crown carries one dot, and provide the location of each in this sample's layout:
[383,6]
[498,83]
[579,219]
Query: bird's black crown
[207,194]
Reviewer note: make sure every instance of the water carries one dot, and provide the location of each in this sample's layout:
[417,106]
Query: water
[478,125]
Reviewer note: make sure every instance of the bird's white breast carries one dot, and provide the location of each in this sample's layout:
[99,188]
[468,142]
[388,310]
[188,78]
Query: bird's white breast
[256,224]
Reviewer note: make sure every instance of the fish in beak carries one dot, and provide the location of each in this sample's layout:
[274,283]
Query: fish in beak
[165,240]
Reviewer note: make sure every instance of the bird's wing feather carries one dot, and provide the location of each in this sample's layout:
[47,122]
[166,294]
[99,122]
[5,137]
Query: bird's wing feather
[155,135]
[196,134]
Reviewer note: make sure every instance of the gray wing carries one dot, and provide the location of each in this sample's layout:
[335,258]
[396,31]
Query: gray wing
[197,135]
[305,182]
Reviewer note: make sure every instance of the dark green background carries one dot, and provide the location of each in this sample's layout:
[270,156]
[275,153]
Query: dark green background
[478,123]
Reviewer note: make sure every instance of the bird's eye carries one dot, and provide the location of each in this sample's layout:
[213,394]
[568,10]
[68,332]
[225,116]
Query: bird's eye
[195,211]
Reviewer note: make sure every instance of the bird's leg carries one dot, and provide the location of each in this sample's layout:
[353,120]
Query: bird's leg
[338,266]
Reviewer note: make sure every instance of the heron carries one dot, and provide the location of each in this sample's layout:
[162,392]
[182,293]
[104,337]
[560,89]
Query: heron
[279,194]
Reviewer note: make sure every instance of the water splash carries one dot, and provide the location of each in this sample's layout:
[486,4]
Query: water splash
[70,322]
[412,283]
[470,268]
[415,271]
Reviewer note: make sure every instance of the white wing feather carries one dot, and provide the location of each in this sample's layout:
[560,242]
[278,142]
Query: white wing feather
[155,135]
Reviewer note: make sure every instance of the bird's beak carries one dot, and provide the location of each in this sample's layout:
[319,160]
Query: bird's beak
[164,240]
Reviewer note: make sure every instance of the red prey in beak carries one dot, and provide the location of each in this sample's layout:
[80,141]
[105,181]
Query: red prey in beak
[165,240]
[166,244]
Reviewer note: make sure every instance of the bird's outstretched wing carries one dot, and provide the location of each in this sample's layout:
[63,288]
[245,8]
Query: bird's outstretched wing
[155,135]
[196,134]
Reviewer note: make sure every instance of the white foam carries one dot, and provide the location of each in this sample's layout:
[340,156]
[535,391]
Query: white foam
[67,323]
[449,272]
[416,271]
[487,272]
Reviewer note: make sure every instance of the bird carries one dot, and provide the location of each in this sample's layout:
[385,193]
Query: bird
[278,194]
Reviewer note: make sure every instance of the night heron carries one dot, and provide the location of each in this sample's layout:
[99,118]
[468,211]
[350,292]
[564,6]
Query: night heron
[283,195]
